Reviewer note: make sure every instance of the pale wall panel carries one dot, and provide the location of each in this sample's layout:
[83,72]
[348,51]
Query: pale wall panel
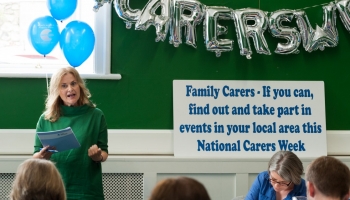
[141,142]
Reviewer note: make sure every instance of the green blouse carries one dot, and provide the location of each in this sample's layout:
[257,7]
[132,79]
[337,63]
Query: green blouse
[81,175]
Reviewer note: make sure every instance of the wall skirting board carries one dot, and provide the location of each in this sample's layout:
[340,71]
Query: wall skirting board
[149,154]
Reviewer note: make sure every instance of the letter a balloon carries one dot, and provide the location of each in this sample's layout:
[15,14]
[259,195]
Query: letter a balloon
[43,34]
[77,42]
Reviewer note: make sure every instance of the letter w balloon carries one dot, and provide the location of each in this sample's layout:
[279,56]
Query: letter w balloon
[77,42]
[43,34]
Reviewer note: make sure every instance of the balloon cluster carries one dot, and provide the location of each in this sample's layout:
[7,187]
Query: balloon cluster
[76,40]
[178,14]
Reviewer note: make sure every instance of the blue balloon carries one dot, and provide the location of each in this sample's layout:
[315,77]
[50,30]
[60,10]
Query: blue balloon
[43,34]
[77,42]
[61,9]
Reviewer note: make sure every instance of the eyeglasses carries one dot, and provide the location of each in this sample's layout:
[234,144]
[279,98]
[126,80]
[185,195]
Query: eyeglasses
[72,84]
[272,181]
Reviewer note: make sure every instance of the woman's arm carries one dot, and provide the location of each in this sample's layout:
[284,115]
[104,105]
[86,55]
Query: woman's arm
[43,153]
[253,193]
[96,154]
[104,155]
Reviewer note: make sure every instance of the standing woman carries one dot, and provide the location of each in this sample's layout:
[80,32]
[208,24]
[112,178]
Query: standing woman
[281,181]
[68,105]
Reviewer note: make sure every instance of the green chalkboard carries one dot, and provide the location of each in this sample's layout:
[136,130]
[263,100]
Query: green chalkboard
[142,99]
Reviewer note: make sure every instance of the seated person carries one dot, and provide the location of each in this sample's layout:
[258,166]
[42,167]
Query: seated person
[37,179]
[183,188]
[327,178]
[281,181]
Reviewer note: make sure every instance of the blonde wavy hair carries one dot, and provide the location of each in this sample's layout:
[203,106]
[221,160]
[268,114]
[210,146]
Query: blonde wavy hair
[53,101]
[38,179]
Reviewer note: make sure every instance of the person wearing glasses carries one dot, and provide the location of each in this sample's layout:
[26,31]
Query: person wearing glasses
[68,104]
[327,178]
[281,181]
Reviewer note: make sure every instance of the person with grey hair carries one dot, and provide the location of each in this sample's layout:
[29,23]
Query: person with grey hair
[281,181]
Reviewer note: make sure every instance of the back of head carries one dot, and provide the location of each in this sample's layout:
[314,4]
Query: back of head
[37,179]
[287,165]
[330,176]
[182,188]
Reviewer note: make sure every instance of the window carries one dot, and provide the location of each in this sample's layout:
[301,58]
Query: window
[18,58]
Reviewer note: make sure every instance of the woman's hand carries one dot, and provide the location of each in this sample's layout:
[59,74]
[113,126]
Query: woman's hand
[95,153]
[43,153]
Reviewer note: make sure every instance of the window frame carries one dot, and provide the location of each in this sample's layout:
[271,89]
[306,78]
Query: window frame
[102,55]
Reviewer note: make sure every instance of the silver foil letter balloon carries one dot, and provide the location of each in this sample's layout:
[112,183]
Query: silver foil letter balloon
[149,17]
[128,15]
[255,31]
[99,4]
[277,30]
[344,12]
[212,29]
[327,36]
[190,21]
